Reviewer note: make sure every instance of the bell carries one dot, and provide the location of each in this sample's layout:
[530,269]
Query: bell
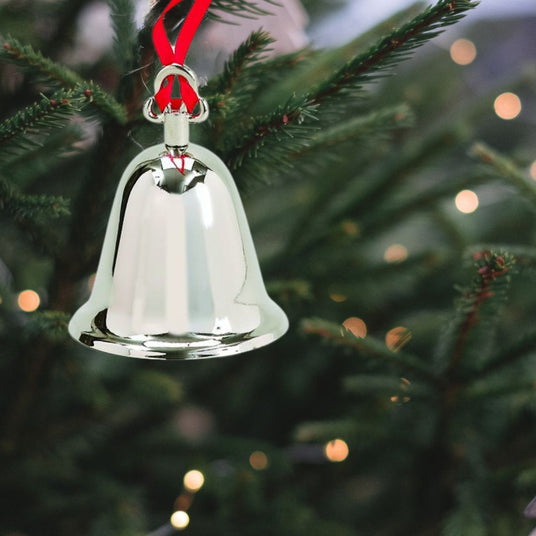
[178,276]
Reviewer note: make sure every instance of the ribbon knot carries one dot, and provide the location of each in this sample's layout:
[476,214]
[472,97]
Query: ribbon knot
[168,54]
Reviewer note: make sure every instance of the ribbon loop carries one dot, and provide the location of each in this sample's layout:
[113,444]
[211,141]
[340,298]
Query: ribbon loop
[176,54]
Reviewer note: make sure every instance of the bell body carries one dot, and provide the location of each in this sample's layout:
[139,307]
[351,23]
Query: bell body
[178,276]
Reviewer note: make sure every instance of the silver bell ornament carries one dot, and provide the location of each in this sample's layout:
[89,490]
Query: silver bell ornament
[178,276]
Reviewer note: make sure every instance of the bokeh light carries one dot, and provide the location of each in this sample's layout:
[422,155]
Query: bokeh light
[194,480]
[338,298]
[355,326]
[466,201]
[397,337]
[28,300]
[258,460]
[463,51]
[396,253]
[336,450]
[532,170]
[180,520]
[507,106]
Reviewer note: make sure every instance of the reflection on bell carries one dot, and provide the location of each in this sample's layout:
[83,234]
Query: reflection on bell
[178,276]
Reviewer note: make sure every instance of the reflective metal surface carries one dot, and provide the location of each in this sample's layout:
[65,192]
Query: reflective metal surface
[178,276]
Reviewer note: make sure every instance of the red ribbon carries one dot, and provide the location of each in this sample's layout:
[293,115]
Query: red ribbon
[169,54]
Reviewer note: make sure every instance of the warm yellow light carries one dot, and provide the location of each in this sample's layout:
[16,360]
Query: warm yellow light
[28,300]
[507,106]
[463,51]
[194,480]
[180,520]
[396,253]
[355,326]
[338,298]
[397,337]
[532,170]
[405,399]
[258,460]
[336,450]
[466,201]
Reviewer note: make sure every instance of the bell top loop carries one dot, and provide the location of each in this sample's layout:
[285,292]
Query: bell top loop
[190,78]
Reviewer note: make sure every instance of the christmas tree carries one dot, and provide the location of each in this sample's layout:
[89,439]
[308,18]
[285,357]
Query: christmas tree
[401,401]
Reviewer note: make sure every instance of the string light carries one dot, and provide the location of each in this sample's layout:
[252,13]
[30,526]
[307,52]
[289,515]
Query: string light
[507,106]
[258,460]
[396,253]
[532,170]
[336,450]
[194,480]
[463,51]
[28,300]
[180,519]
[355,326]
[397,337]
[466,201]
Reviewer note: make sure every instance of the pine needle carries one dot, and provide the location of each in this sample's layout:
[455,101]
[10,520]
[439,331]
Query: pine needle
[500,166]
[18,132]
[260,143]
[390,50]
[125,33]
[368,345]
[30,207]
[56,74]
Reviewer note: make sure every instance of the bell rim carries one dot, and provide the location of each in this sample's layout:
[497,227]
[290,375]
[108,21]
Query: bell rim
[182,347]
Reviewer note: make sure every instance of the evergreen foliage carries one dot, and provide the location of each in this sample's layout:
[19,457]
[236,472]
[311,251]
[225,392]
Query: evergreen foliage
[436,400]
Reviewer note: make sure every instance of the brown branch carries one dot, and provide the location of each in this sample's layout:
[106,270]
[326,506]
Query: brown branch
[494,268]
[386,48]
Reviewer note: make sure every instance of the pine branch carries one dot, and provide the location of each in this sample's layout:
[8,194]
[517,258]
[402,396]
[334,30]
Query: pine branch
[393,48]
[357,197]
[27,57]
[51,325]
[500,166]
[240,8]
[232,90]
[260,144]
[247,53]
[125,33]
[368,345]
[48,113]
[482,299]
[102,101]
[387,216]
[365,128]
[23,207]
[31,165]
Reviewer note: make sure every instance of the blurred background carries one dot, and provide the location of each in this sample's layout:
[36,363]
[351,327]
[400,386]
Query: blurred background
[397,230]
